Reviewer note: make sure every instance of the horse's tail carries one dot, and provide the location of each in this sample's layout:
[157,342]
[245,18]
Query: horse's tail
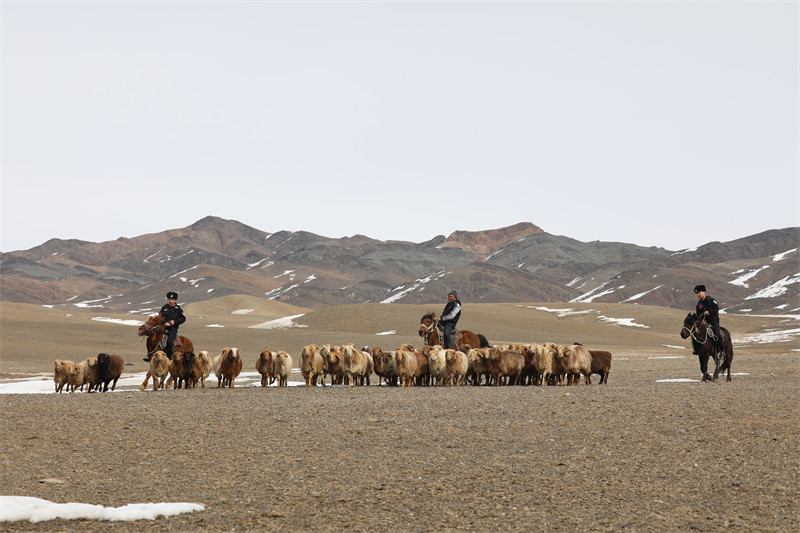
[484,342]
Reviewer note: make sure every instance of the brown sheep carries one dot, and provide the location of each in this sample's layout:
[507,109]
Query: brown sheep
[505,363]
[175,372]
[61,373]
[333,363]
[575,360]
[377,364]
[159,368]
[388,368]
[264,366]
[282,363]
[230,367]
[601,364]
[192,369]
[311,365]
[109,368]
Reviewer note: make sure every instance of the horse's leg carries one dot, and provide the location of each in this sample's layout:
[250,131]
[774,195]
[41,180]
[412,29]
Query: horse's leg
[717,363]
[703,357]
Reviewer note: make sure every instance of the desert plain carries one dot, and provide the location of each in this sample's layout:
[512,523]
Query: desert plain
[653,450]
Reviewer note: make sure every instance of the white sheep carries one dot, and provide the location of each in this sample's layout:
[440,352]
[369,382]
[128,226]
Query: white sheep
[282,362]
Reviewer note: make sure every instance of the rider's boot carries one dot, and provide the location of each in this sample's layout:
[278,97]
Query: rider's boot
[721,348]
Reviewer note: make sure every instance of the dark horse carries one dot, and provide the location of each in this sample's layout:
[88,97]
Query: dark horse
[705,345]
[154,331]
[433,334]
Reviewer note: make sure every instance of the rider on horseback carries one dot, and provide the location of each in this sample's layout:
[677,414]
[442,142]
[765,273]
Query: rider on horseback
[172,317]
[708,308]
[449,318]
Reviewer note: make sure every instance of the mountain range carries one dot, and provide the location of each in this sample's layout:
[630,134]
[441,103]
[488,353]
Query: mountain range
[214,257]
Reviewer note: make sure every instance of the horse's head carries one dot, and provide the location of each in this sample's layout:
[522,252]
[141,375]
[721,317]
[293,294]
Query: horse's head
[426,324]
[689,324]
[148,328]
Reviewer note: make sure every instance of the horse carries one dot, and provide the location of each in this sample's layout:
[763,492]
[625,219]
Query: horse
[433,334]
[705,345]
[154,331]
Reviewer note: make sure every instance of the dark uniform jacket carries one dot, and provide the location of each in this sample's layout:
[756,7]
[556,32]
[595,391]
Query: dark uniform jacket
[173,313]
[708,304]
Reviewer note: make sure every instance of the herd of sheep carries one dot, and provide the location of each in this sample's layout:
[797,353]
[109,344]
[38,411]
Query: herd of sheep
[514,364]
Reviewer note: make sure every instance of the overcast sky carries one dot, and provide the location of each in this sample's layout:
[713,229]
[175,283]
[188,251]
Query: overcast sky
[666,124]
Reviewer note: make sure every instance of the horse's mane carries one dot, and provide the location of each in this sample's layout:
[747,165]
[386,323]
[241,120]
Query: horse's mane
[429,316]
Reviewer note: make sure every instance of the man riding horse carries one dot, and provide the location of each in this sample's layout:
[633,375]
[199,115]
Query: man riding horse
[449,318]
[708,308]
[172,318]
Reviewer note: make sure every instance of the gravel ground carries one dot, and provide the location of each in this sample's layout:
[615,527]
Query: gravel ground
[634,455]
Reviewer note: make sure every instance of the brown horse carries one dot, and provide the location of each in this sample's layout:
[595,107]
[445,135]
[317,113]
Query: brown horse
[705,345]
[154,331]
[433,334]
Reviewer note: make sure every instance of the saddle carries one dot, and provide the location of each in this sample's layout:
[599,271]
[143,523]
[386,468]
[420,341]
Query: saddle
[162,344]
[457,336]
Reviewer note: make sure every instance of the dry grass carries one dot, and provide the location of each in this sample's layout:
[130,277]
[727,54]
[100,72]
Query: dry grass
[32,336]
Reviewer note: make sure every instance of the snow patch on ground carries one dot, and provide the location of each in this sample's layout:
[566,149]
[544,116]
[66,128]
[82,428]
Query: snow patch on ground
[18,508]
[280,323]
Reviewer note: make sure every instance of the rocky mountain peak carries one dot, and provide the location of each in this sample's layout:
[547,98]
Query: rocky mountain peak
[484,243]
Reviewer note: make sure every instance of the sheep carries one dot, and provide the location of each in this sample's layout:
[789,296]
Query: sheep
[205,365]
[333,363]
[437,364]
[405,366]
[61,373]
[505,363]
[77,375]
[574,361]
[388,368]
[264,366]
[159,368]
[528,370]
[311,365]
[230,367]
[377,364]
[456,366]
[192,369]
[421,375]
[478,365]
[176,372]
[357,365]
[601,364]
[283,367]
[92,375]
[109,369]
[544,361]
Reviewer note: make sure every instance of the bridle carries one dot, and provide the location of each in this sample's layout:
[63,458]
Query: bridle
[692,331]
[150,331]
[430,328]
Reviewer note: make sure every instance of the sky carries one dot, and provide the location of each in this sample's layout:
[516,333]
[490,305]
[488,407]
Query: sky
[669,124]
